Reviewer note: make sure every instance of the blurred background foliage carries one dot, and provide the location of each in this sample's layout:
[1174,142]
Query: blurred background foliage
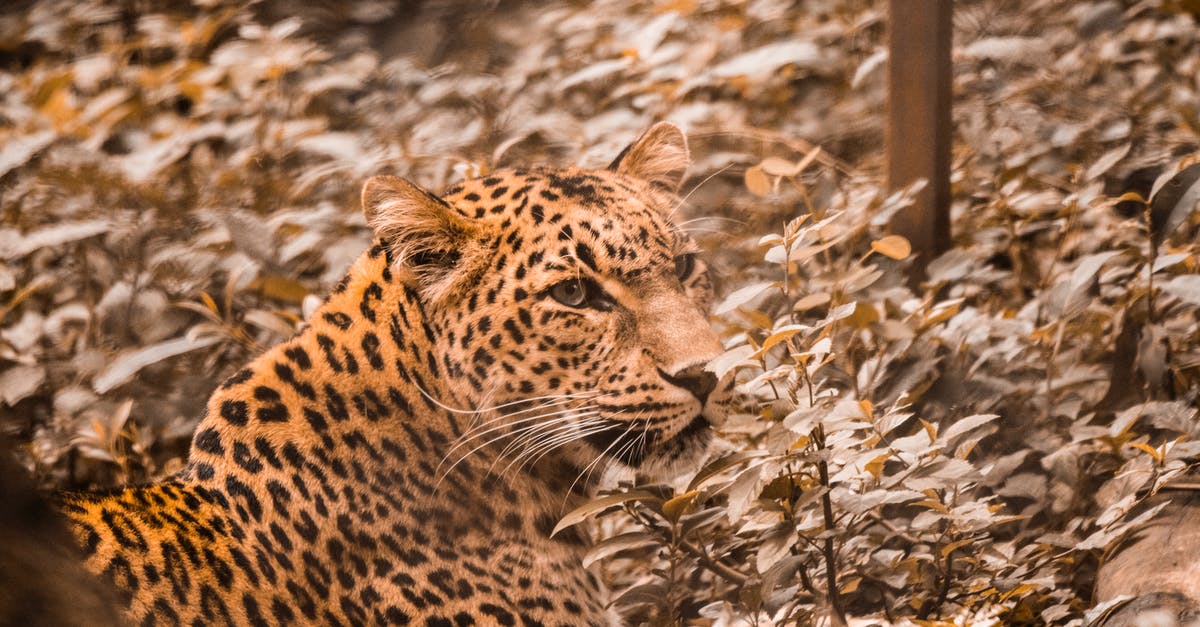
[178,189]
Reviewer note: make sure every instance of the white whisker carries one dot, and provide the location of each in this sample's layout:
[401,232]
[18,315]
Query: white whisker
[554,439]
[483,428]
[483,410]
[586,469]
[533,432]
[521,432]
[683,199]
[598,426]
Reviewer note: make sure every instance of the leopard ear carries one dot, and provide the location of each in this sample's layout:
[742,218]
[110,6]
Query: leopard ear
[660,157]
[423,232]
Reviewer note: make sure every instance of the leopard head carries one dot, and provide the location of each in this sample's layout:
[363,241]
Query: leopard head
[569,312]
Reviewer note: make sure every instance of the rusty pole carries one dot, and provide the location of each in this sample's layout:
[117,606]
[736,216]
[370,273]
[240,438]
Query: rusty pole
[919,126]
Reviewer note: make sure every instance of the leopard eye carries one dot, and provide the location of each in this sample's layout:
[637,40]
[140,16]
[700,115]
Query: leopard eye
[572,293]
[579,293]
[684,264]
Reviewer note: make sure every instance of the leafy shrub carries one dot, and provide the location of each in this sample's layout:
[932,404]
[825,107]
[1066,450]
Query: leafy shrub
[178,187]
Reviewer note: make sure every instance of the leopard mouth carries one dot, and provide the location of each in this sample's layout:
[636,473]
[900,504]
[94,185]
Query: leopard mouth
[633,446]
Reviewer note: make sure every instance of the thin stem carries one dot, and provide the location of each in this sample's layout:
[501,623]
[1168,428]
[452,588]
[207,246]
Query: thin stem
[835,602]
[1150,266]
[892,528]
[947,577]
[727,572]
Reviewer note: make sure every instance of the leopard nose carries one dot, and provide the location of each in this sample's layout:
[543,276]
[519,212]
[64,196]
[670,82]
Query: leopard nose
[694,379]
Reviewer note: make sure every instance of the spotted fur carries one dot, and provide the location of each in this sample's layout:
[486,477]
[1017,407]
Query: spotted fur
[404,458]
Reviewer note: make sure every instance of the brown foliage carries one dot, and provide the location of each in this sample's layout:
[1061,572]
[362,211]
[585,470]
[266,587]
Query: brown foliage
[178,185]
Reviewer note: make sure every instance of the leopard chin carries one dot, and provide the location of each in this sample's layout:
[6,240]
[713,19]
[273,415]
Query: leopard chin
[679,454]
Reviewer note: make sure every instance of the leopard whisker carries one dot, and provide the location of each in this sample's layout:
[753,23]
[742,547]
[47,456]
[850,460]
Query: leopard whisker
[633,442]
[601,426]
[615,458]
[733,221]
[590,396]
[542,443]
[484,410]
[704,231]
[707,225]
[539,421]
[586,470]
[529,441]
[683,199]
[488,426]
[531,433]
[536,453]
[504,429]
[566,417]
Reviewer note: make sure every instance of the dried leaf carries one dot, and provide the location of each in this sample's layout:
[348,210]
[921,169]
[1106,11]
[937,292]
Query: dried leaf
[1185,287]
[341,146]
[19,150]
[775,166]
[1163,262]
[774,545]
[767,59]
[730,359]
[778,335]
[650,36]
[744,489]
[122,368]
[757,181]
[52,236]
[966,425]
[143,164]
[679,505]
[868,67]
[1106,162]
[20,381]
[721,464]
[1173,201]
[279,288]
[647,593]
[743,296]
[599,504]
[1008,49]
[595,72]
[269,321]
[622,542]
[894,246]
[811,301]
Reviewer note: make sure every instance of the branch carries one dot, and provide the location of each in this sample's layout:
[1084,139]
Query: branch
[724,570]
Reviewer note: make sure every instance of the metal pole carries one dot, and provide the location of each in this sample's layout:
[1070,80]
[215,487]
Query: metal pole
[919,125]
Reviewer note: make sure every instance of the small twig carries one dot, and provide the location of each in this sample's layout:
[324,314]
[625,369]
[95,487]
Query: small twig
[806,581]
[796,144]
[724,570]
[892,528]
[945,587]
[1150,318]
[835,602]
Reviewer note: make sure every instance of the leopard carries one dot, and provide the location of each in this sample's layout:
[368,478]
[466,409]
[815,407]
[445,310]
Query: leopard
[494,355]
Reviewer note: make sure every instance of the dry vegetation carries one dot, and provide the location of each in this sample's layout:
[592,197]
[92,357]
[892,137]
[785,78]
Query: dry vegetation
[178,188]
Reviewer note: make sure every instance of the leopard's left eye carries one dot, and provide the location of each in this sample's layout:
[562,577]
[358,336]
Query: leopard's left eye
[579,293]
[572,293]
[684,264]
